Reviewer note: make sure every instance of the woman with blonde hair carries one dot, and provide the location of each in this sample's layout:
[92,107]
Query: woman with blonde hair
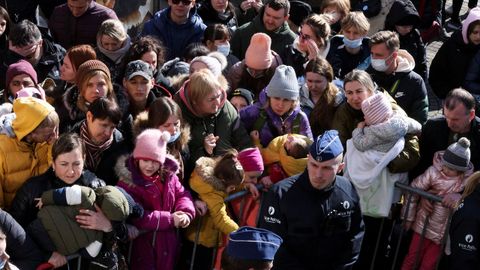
[215,124]
[465,228]
[113,44]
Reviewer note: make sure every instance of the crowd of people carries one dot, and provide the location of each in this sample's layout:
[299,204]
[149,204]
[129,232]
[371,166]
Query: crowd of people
[122,149]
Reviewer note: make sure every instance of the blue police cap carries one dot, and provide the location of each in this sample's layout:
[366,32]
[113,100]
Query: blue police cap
[326,146]
[248,243]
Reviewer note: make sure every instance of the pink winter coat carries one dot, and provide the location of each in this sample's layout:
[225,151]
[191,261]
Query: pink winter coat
[157,246]
[434,181]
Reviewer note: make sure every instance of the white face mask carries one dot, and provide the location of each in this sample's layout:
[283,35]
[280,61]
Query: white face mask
[224,48]
[380,64]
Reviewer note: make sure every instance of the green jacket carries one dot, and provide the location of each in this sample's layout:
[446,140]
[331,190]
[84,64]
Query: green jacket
[281,38]
[346,120]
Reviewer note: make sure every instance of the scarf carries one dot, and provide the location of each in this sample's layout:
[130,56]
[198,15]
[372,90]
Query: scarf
[115,56]
[94,151]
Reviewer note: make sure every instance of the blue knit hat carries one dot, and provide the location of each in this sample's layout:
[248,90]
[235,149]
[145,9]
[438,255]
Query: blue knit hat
[326,146]
[248,243]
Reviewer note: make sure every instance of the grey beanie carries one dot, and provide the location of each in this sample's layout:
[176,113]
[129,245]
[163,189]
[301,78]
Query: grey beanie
[284,83]
[457,155]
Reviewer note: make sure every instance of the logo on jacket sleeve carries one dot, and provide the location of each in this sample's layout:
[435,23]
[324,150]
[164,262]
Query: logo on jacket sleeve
[345,204]
[269,218]
[271,210]
[469,247]
[469,238]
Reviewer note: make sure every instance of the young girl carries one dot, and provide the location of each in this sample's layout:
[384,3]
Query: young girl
[212,179]
[447,175]
[149,176]
[4,258]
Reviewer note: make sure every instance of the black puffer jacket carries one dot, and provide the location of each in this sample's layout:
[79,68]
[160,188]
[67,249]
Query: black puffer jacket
[211,16]
[23,252]
[23,206]
[404,10]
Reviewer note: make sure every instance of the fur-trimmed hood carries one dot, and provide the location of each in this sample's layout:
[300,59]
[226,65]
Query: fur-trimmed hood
[128,172]
[141,123]
[204,168]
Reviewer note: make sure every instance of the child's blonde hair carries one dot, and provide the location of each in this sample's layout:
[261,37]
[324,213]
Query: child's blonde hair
[357,20]
[472,182]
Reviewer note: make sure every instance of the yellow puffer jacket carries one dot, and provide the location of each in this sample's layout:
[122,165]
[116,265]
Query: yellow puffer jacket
[275,152]
[18,162]
[211,190]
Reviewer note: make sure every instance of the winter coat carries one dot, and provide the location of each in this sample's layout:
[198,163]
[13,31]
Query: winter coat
[212,191]
[175,37]
[436,136]
[18,162]
[47,67]
[275,152]
[238,77]
[69,31]
[106,167]
[273,125]
[157,247]
[281,38]
[23,251]
[451,61]
[210,16]
[383,136]
[464,234]
[342,61]
[428,11]
[23,206]
[225,123]
[405,86]
[321,229]
[472,77]
[346,120]
[435,182]
[411,42]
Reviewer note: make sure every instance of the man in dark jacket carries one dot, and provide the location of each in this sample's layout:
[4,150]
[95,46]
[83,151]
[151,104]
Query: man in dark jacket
[26,42]
[392,69]
[272,21]
[176,26]
[316,209]
[458,121]
[77,22]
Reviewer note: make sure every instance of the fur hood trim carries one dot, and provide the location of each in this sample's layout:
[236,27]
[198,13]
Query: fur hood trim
[123,169]
[204,168]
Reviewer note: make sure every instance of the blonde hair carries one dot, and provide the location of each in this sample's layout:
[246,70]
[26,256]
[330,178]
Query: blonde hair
[112,28]
[362,78]
[357,20]
[201,84]
[471,183]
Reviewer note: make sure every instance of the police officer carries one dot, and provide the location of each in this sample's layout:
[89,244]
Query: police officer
[317,213]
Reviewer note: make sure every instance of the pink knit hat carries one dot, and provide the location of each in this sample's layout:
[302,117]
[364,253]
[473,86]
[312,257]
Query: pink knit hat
[376,109]
[258,54]
[251,160]
[151,145]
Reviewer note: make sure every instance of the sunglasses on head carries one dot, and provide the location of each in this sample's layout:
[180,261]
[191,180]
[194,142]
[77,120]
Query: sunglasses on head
[185,2]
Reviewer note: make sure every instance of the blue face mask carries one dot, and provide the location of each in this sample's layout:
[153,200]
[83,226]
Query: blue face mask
[174,137]
[3,262]
[353,44]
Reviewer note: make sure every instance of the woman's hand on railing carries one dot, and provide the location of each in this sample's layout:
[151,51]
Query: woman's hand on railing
[94,220]
[200,207]
[57,260]
[253,190]
[266,182]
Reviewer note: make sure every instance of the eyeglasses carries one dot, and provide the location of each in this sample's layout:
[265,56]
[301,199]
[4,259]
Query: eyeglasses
[303,36]
[185,2]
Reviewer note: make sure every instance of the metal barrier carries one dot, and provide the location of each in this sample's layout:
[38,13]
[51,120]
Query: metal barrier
[408,192]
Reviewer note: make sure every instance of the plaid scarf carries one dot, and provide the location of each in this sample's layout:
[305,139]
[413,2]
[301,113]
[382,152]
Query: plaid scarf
[94,151]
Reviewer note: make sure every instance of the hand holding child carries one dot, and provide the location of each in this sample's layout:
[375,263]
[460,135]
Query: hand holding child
[451,200]
[361,124]
[210,142]
[39,204]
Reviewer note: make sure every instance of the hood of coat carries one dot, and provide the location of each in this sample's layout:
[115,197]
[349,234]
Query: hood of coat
[204,168]
[401,10]
[162,21]
[473,15]
[406,63]
[128,172]
[184,96]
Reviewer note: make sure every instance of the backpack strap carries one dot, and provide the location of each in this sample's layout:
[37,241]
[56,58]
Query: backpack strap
[260,122]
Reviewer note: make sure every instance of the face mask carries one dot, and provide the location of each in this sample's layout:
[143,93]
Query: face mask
[380,64]
[3,262]
[224,49]
[174,137]
[353,44]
